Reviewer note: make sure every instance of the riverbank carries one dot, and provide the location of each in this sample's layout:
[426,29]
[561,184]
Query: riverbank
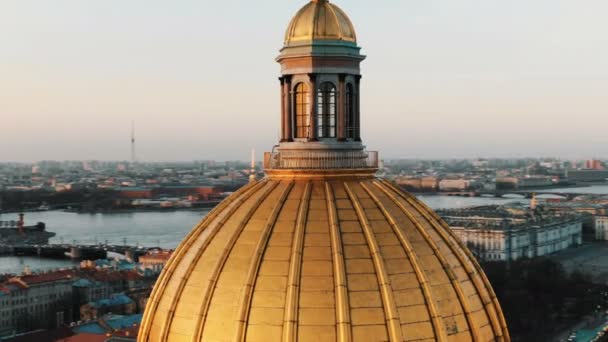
[166,228]
[140,210]
[587,188]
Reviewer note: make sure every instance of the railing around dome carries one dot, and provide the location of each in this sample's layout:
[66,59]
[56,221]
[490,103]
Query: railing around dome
[321,160]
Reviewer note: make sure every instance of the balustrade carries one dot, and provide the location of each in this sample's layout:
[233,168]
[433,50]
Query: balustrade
[321,160]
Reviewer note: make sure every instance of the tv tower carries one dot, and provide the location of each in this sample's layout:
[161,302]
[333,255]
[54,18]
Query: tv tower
[132,142]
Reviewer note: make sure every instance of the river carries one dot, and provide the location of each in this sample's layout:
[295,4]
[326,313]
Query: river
[166,229]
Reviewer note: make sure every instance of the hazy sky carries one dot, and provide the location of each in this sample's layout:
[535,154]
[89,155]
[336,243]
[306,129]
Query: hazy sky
[443,78]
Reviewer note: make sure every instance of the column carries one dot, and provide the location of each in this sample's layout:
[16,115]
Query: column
[357,100]
[283,111]
[312,134]
[287,116]
[341,124]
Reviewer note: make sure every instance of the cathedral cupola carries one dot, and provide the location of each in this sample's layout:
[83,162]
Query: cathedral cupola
[320,92]
[320,21]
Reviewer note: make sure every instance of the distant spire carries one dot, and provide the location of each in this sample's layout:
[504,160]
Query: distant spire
[533,202]
[252,171]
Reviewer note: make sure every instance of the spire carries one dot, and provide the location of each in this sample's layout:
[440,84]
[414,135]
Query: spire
[533,202]
[252,171]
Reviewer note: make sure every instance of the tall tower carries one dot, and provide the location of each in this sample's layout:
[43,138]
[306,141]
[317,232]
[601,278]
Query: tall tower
[132,143]
[320,249]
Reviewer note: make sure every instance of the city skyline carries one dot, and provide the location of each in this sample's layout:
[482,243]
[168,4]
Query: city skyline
[437,175]
[459,80]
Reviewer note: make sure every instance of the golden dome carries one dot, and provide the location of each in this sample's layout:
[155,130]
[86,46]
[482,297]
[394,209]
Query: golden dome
[320,20]
[329,259]
[320,249]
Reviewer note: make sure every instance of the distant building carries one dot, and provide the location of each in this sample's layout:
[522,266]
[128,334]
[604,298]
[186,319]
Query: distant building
[457,184]
[600,225]
[135,192]
[583,176]
[184,190]
[88,290]
[116,303]
[35,301]
[53,299]
[498,233]
[110,327]
[428,184]
[523,182]
[593,164]
[155,260]
[588,209]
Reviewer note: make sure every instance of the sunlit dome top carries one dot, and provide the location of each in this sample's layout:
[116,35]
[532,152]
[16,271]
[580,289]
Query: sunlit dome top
[320,20]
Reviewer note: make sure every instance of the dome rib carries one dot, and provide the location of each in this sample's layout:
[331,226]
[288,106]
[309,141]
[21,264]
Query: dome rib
[501,324]
[344,20]
[388,302]
[217,269]
[440,335]
[337,20]
[315,20]
[290,331]
[491,304]
[221,262]
[245,307]
[161,285]
[446,266]
[293,25]
[340,283]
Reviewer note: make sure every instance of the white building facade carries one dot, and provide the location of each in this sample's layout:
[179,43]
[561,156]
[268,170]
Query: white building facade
[494,241]
[35,301]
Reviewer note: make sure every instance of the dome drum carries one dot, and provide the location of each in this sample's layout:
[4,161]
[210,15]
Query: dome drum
[321,160]
[333,64]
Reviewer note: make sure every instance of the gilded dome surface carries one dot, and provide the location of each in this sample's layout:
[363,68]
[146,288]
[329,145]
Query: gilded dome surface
[335,259]
[320,20]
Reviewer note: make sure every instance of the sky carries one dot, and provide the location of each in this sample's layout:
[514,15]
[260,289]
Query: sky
[442,78]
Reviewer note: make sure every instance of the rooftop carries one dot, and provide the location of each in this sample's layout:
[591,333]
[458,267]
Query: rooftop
[40,278]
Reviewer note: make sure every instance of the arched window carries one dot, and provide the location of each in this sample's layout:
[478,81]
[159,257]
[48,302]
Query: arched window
[326,111]
[350,112]
[302,110]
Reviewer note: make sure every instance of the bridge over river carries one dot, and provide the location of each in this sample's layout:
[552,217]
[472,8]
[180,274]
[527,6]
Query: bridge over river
[501,193]
[75,252]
